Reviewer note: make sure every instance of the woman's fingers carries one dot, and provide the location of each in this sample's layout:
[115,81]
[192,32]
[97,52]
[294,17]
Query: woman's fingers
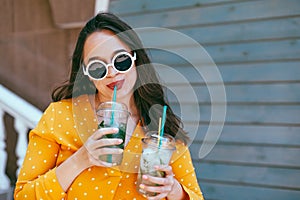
[98,146]
[160,185]
[157,189]
[158,180]
[107,151]
[104,131]
[97,141]
[105,142]
[165,168]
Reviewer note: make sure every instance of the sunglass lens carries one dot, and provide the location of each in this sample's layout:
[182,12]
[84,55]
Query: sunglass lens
[97,70]
[122,62]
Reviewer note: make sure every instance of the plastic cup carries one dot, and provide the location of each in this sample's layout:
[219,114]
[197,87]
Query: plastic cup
[153,155]
[113,114]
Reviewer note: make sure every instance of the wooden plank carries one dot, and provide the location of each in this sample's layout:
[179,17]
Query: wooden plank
[264,51]
[229,53]
[220,191]
[137,6]
[234,73]
[7,47]
[32,15]
[65,13]
[238,32]
[261,72]
[241,93]
[6,20]
[270,29]
[261,176]
[30,54]
[287,115]
[250,135]
[285,157]
[50,59]
[227,13]
[25,54]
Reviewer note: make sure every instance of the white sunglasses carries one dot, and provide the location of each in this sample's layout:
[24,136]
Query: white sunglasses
[121,62]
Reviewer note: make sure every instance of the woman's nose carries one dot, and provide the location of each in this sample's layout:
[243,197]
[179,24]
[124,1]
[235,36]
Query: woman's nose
[111,71]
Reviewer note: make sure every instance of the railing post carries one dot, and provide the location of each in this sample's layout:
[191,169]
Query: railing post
[26,116]
[21,146]
[4,180]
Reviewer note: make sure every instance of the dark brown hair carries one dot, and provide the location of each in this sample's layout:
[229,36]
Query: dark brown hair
[148,91]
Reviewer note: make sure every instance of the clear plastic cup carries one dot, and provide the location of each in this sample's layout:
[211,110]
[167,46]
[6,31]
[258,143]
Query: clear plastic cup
[154,154]
[113,114]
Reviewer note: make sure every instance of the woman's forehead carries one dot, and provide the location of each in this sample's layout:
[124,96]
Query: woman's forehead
[103,44]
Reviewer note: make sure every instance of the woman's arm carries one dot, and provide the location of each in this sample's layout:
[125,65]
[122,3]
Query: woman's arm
[184,172]
[87,156]
[53,160]
[37,179]
[71,168]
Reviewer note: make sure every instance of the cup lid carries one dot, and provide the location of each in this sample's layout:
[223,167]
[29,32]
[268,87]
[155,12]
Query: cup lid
[167,141]
[110,105]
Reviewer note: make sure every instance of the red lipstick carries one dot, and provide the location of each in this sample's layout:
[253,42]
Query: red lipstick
[119,84]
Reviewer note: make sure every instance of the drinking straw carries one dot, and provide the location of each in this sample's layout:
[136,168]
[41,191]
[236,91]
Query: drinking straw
[159,127]
[115,94]
[113,106]
[163,124]
[109,156]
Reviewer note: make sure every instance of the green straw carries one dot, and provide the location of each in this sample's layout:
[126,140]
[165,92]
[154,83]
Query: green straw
[113,106]
[109,156]
[163,124]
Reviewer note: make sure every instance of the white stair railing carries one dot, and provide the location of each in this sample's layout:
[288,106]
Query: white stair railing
[26,116]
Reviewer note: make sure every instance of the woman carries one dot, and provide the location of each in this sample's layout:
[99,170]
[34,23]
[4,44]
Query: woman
[62,156]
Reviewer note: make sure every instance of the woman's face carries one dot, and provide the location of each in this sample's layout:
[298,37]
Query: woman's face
[104,45]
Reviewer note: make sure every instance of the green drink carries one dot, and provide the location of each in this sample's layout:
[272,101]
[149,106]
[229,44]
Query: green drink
[115,115]
[121,134]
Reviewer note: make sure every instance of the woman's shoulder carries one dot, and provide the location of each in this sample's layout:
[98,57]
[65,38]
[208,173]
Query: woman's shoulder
[57,120]
[61,110]
[66,104]
[60,104]
[181,146]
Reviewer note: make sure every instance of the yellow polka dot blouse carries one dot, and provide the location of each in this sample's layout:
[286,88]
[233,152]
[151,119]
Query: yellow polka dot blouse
[63,128]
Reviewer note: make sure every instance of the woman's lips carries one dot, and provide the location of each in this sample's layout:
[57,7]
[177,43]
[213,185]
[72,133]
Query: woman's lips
[119,84]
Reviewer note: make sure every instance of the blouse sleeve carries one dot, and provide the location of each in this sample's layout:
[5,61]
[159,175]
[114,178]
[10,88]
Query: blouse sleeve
[37,178]
[185,172]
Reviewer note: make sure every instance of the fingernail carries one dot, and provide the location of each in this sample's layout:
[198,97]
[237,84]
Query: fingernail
[145,177]
[142,186]
[120,140]
[120,150]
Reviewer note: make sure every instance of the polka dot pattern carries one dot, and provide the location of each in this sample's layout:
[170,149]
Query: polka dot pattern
[60,133]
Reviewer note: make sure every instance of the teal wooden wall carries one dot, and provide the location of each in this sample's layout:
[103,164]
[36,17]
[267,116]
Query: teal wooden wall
[256,46]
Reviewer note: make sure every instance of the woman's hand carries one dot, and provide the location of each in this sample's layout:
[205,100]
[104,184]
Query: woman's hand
[97,146]
[167,187]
